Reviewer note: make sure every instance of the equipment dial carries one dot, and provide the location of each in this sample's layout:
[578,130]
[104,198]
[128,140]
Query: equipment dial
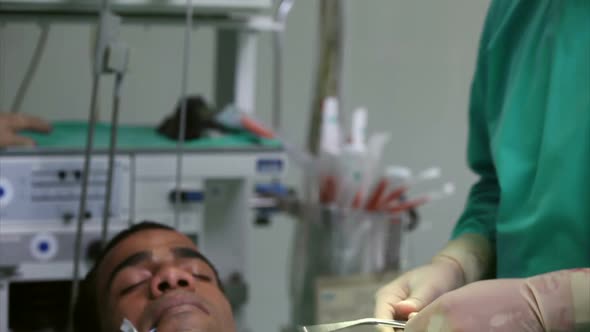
[6,192]
[44,246]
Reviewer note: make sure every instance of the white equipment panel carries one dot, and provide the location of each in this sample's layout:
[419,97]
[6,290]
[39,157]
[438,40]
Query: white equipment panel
[52,184]
[166,7]
[39,200]
[40,194]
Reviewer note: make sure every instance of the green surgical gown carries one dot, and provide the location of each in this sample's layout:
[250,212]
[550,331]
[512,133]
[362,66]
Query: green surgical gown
[529,137]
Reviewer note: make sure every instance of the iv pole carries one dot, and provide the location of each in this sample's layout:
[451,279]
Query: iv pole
[111,57]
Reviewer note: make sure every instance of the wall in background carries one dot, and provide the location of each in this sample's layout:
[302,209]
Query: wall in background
[409,62]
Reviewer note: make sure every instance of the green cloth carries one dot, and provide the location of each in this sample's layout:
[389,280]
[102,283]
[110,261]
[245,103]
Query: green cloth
[529,137]
[73,135]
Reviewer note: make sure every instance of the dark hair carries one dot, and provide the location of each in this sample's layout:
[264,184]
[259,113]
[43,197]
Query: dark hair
[86,314]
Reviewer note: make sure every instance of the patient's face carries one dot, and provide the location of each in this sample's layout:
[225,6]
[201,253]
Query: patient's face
[157,278]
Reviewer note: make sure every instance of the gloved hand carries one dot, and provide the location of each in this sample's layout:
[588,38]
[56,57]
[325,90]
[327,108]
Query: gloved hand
[415,289]
[557,301]
[463,260]
[11,124]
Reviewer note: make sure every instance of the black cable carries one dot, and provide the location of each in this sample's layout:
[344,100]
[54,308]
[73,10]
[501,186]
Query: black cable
[32,69]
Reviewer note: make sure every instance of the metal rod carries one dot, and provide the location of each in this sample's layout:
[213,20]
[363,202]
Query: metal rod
[281,16]
[328,75]
[182,120]
[83,195]
[106,216]
[92,119]
[278,44]
[132,195]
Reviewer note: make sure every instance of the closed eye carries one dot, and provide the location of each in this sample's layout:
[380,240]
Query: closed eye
[203,277]
[129,289]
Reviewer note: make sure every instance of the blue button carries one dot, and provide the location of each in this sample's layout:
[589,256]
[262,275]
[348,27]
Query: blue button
[43,246]
[273,188]
[194,196]
[269,165]
[1,192]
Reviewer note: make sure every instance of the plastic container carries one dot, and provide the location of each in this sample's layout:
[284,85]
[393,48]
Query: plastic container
[339,243]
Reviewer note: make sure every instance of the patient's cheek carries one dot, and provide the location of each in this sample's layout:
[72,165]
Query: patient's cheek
[125,308]
[112,319]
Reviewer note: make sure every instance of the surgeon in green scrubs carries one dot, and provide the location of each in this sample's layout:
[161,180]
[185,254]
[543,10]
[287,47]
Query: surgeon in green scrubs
[519,256]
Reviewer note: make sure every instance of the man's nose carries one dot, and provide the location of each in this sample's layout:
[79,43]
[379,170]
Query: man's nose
[170,277]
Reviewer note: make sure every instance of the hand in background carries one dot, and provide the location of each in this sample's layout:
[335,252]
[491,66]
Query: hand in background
[12,123]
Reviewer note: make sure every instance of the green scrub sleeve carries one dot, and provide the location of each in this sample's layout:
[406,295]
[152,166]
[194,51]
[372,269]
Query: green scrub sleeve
[479,215]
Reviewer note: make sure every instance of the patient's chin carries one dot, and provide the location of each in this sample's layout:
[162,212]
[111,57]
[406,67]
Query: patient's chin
[185,319]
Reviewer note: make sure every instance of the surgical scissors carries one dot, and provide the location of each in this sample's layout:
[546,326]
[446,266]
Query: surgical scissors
[343,325]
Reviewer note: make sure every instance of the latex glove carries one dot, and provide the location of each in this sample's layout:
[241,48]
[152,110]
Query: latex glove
[415,289]
[557,301]
[463,260]
[12,123]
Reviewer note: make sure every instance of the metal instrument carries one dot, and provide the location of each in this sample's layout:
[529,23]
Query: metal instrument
[344,325]
[127,326]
